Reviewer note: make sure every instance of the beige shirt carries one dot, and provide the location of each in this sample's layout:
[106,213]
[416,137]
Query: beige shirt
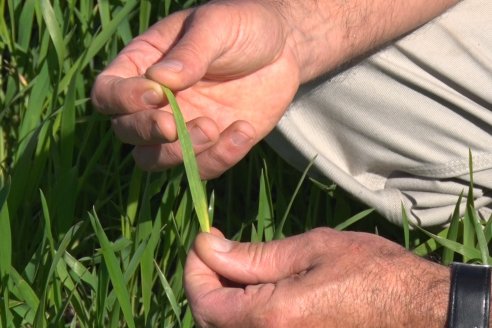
[397,127]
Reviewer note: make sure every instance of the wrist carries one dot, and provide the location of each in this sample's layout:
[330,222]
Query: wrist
[431,293]
[417,294]
[324,34]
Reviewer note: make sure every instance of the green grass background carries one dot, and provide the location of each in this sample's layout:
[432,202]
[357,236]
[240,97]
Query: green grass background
[89,240]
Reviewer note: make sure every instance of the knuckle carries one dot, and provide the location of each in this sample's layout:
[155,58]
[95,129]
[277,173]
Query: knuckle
[151,158]
[257,255]
[214,164]
[189,50]
[214,11]
[222,159]
[170,155]
[318,235]
[319,239]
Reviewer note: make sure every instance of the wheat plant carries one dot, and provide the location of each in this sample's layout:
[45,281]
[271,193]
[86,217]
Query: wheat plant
[89,240]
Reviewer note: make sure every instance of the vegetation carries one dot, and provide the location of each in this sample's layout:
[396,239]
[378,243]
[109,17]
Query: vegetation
[89,240]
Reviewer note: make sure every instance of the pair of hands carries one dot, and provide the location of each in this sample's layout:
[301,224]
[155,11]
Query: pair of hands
[236,65]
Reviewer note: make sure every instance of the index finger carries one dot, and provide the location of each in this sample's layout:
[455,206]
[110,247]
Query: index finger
[115,95]
[122,87]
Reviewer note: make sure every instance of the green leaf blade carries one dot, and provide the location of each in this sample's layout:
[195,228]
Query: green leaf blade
[114,270]
[191,167]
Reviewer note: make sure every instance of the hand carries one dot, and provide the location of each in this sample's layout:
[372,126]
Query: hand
[233,72]
[322,278]
[236,65]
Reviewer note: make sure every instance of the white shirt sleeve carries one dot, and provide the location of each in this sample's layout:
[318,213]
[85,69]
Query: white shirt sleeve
[397,127]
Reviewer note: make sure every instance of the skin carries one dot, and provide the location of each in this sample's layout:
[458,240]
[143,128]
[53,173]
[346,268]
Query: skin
[224,86]
[235,66]
[322,278]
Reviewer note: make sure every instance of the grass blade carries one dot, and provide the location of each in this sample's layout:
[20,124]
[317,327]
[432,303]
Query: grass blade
[195,184]
[5,255]
[467,252]
[114,271]
[144,18]
[82,273]
[280,227]
[169,293]
[54,30]
[359,216]
[102,294]
[488,229]
[448,254]
[102,38]
[429,246]
[265,212]
[5,241]
[40,312]
[24,292]
[468,224]
[482,243]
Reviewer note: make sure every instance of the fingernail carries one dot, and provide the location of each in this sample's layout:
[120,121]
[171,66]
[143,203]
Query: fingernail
[240,139]
[198,137]
[170,65]
[219,244]
[152,98]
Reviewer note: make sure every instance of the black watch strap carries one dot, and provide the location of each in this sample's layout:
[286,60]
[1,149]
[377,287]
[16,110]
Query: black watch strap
[469,296]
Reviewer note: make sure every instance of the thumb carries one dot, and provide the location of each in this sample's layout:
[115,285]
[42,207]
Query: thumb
[190,58]
[256,263]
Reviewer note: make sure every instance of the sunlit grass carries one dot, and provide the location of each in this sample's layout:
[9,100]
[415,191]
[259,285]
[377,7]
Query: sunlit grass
[89,240]
[191,167]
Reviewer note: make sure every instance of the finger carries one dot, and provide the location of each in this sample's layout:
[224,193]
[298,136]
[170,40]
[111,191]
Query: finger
[121,87]
[153,127]
[213,158]
[149,47]
[214,304]
[116,95]
[254,263]
[203,134]
[234,143]
[202,42]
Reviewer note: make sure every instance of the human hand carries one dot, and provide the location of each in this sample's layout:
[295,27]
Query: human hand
[322,278]
[233,72]
[236,65]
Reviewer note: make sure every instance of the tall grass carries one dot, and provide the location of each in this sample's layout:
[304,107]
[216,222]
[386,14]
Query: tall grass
[89,240]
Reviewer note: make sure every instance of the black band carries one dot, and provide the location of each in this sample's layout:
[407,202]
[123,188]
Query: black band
[469,296]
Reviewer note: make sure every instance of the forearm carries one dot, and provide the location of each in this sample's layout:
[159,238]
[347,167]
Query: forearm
[323,34]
